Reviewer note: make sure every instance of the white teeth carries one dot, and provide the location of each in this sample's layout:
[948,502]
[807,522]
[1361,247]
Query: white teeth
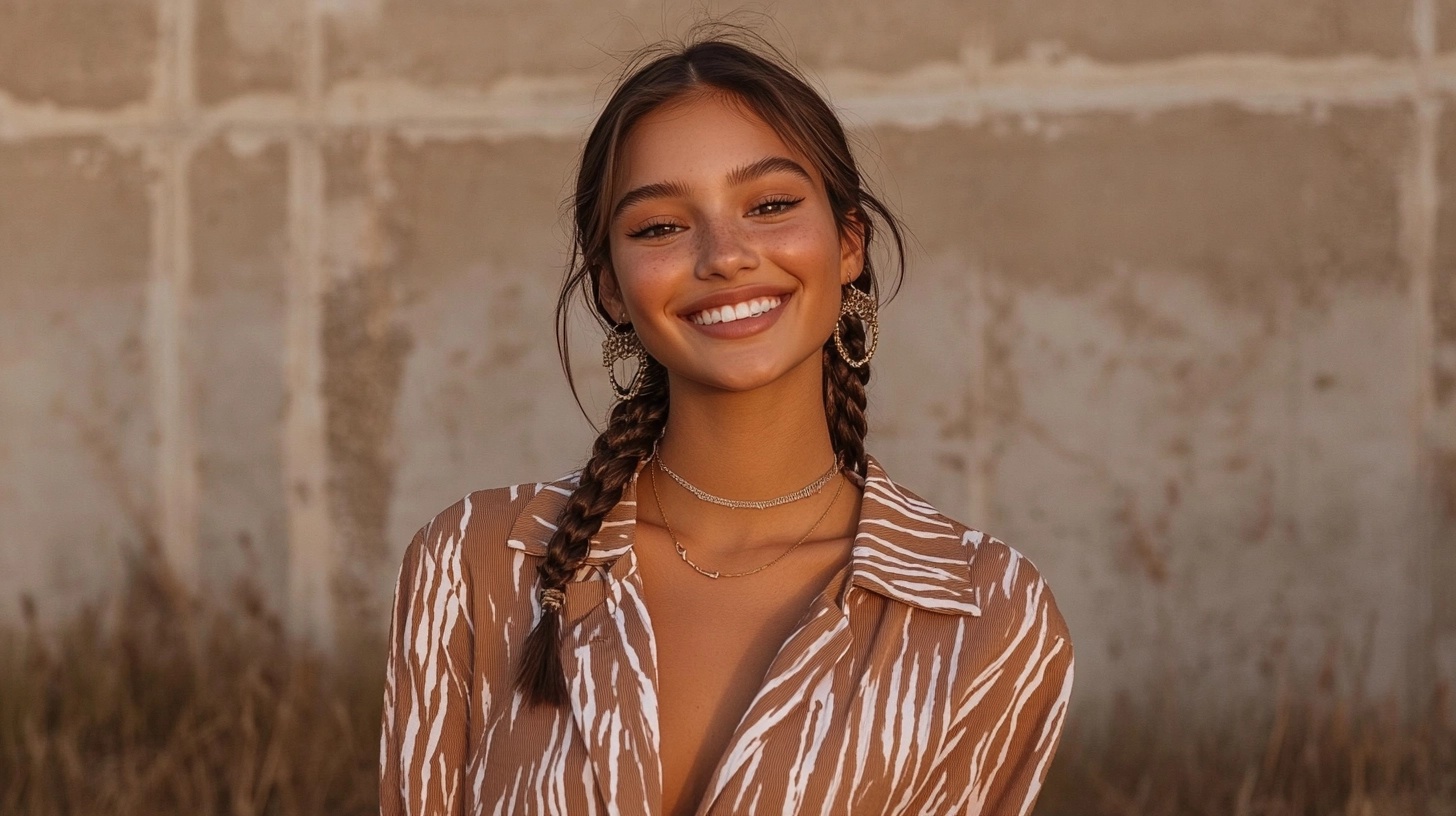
[738,311]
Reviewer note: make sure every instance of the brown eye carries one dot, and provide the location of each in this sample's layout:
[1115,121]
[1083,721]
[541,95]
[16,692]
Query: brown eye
[658,230]
[775,206]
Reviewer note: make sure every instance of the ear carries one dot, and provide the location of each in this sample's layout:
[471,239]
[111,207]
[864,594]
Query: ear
[851,248]
[609,296]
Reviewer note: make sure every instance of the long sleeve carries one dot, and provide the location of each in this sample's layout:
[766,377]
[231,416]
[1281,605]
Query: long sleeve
[1006,728]
[423,748]
[1041,703]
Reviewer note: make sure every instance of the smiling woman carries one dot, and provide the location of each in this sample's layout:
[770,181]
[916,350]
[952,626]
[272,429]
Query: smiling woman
[720,215]
[780,627]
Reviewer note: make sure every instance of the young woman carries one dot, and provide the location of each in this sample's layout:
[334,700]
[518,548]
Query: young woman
[731,608]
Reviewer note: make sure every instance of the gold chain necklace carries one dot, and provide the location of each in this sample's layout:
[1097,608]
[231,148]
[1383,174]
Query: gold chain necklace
[715,574]
[763,504]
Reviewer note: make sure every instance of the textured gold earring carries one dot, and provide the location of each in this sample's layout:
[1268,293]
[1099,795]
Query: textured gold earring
[860,305]
[624,345]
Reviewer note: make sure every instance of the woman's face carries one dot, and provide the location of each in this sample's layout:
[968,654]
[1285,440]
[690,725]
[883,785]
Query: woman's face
[725,254]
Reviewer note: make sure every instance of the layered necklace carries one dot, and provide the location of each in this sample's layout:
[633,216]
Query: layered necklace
[802,493]
[655,461]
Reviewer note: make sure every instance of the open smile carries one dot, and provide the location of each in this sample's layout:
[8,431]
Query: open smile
[735,311]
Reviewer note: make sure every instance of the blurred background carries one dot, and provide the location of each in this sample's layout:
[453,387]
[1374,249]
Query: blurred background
[276,281]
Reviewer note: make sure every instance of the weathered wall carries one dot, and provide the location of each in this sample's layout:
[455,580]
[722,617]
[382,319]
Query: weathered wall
[277,276]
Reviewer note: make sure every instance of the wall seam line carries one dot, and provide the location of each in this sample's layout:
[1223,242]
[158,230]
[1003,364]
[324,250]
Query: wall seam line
[940,94]
[311,556]
[1421,219]
[168,300]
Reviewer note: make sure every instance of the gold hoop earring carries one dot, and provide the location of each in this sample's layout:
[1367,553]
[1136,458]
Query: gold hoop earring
[860,305]
[623,345]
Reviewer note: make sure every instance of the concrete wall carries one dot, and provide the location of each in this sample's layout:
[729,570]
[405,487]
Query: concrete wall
[275,284]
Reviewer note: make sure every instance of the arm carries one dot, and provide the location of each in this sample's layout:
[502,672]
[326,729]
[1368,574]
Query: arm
[423,749]
[1033,735]
[1008,723]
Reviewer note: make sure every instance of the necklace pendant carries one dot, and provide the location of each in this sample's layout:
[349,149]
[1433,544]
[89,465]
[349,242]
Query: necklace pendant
[682,553]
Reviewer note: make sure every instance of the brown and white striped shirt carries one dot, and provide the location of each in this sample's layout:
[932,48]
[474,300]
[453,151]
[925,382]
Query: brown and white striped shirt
[930,677]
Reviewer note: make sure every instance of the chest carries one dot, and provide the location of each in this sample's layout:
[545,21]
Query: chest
[716,641]
[706,697]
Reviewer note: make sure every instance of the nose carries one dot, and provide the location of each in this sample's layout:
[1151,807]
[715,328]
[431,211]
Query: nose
[724,249]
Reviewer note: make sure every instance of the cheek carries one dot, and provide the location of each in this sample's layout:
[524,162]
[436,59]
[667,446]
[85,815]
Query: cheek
[643,275]
[810,252]
[805,249]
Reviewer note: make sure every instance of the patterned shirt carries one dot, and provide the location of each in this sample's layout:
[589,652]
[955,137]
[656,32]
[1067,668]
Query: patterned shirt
[930,677]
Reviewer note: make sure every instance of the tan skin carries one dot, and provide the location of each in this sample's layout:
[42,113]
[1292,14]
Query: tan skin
[747,414]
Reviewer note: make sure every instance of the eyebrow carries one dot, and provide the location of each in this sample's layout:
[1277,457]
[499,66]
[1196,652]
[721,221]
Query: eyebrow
[661,189]
[765,166]
[741,175]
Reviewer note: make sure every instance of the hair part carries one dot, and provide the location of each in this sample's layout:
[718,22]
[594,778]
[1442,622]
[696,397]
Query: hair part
[730,60]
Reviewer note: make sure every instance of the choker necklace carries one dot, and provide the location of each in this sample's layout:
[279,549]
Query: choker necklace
[682,551]
[802,493]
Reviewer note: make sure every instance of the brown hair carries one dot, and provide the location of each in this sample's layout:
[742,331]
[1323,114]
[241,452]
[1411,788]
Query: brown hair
[738,63]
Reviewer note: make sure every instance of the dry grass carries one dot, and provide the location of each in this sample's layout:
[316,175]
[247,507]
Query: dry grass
[160,705]
[1308,754]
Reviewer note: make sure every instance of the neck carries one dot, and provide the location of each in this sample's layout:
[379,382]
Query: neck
[749,446]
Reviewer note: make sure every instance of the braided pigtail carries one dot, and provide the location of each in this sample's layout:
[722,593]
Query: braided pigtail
[632,429]
[844,395]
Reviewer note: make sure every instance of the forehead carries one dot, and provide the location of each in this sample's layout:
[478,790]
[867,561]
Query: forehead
[698,139]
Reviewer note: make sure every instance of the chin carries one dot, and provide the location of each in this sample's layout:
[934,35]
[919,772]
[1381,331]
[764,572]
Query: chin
[738,382]
[752,376]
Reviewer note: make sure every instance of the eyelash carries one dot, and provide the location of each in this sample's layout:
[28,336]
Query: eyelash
[786,202]
[646,230]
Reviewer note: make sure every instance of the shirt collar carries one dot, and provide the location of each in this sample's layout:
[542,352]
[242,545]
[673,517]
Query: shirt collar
[904,548]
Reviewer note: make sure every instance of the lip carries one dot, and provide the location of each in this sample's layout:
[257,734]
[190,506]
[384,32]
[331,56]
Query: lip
[728,297]
[743,326]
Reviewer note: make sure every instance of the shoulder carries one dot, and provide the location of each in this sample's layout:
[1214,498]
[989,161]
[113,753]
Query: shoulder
[1018,612]
[1011,589]
[481,523]
[1004,585]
